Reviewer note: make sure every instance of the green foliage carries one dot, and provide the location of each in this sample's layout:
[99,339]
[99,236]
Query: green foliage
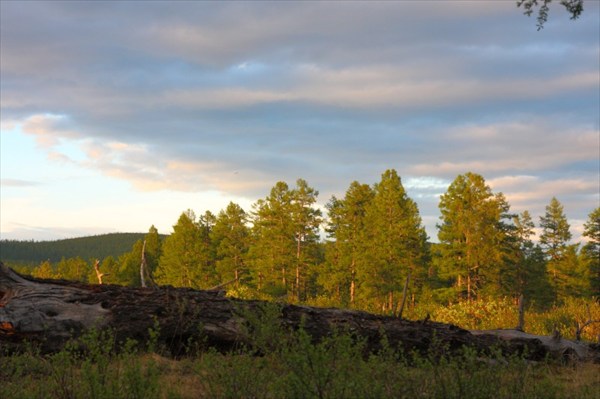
[93,247]
[75,269]
[375,239]
[290,365]
[346,226]
[591,251]
[186,254]
[284,240]
[394,244]
[472,235]
[573,7]
[88,367]
[44,270]
[231,238]
[525,272]
[554,239]
[501,313]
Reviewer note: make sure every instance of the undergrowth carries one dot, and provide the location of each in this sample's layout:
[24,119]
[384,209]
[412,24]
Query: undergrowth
[276,363]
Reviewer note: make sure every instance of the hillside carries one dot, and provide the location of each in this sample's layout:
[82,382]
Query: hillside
[99,246]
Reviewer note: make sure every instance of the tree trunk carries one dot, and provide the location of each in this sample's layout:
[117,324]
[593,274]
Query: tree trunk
[49,312]
[352,281]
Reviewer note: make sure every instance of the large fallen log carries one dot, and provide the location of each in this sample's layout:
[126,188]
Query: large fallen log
[50,312]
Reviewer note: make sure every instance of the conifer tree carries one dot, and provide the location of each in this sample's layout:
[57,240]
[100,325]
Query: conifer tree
[153,249]
[346,226]
[306,220]
[472,234]
[554,239]
[75,269]
[525,272]
[206,223]
[129,266]
[129,263]
[284,239]
[394,243]
[230,236]
[591,251]
[185,256]
[271,253]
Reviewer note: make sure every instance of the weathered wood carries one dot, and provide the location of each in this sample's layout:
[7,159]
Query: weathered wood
[49,312]
[99,274]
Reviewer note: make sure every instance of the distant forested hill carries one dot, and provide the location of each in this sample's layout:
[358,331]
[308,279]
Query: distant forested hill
[99,247]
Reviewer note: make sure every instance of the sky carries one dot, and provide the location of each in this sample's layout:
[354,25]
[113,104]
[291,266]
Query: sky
[116,116]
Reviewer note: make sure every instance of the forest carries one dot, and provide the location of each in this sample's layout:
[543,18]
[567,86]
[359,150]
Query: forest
[99,246]
[375,243]
[375,256]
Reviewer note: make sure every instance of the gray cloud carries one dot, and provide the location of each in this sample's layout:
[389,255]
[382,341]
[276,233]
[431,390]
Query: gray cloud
[18,183]
[235,96]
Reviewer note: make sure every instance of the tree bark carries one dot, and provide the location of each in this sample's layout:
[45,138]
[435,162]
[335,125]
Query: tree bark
[50,312]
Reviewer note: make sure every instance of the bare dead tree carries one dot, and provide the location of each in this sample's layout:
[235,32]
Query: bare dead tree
[143,266]
[145,275]
[99,274]
[582,325]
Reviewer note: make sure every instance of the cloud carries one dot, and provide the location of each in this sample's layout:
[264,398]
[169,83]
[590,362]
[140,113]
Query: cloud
[18,183]
[234,96]
[51,233]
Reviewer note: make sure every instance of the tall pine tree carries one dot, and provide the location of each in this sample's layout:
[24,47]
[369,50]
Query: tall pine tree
[284,239]
[394,244]
[271,253]
[472,234]
[525,272]
[591,251]
[230,236]
[554,239]
[306,220]
[185,260]
[346,226]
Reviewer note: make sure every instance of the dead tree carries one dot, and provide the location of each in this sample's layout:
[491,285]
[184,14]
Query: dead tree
[99,274]
[50,312]
[582,325]
[145,276]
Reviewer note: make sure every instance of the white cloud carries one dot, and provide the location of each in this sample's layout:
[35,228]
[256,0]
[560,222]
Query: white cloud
[233,97]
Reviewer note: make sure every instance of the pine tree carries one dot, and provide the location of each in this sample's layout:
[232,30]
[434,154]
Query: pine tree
[591,251]
[230,236]
[284,239]
[75,269]
[394,242]
[153,249]
[130,262]
[525,273]
[554,239]
[306,220]
[129,266]
[206,223]
[271,253]
[346,226]
[185,256]
[472,234]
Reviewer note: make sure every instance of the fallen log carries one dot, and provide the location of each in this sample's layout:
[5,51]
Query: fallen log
[50,312]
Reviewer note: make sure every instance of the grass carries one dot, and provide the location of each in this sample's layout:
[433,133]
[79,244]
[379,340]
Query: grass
[280,364]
